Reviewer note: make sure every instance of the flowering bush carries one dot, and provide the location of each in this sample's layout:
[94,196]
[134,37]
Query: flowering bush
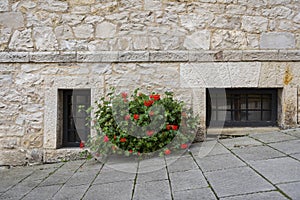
[141,124]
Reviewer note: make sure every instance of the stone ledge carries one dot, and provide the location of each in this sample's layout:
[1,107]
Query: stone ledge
[150,56]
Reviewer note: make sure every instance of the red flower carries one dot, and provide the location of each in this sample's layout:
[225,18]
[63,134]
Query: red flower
[105,139]
[127,117]
[148,103]
[155,97]
[136,116]
[150,133]
[138,153]
[169,127]
[174,127]
[81,144]
[115,137]
[124,95]
[151,113]
[130,151]
[122,139]
[183,146]
[167,152]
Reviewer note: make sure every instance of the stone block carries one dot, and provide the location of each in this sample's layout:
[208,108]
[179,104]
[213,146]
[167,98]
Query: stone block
[181,164]
[21,40]
[106,30]
[164,56]
[46,192]
[240,142]
[287,147]
[9,57]
[145,191]
[254,24]
[122,190]
[232,55]
[45,39]
[4,6]
[228,39]
[134,56]
[289,55]
[205,56]
[111,56]
[48,57]
[244,74]
[260,195]
[259,55]
[257,153]
[83,31]
[272,137]
[187,180]
[198,40]
[113,176]
[13,20]
[278,170]
[71,192]
[156,175]
[219,162]
[207,148]
[283,40]
[152,5]
[55,6]
[82,2]
[291,189]
[203,193]
[237,181]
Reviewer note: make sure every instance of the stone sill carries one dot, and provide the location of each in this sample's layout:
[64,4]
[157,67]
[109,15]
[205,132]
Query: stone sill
[240,131]
[150,56]
[62,154]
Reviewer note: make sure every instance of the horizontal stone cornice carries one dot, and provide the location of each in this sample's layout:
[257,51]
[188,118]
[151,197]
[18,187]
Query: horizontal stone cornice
[150,56]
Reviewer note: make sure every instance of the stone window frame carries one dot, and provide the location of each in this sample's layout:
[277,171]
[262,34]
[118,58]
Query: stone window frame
[52,130]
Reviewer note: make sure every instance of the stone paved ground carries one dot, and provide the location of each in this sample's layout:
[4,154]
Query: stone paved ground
[258,166]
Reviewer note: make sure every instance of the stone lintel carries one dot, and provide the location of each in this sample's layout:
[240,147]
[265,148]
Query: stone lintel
[150,56]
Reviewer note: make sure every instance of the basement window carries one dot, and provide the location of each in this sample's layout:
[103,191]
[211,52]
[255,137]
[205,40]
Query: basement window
[241,107]
[75,124]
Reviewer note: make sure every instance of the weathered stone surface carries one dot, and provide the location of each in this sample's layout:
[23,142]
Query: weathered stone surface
[260,195]
[55,6]
[272,137]
[278,170]
[228,182]
[21,41]
[105,30]
[97,57]
[286,146]
[83,31]
[4,5]
[64,32]
[52,57]
[277,41]
[12,20]
[144,191]
[197,40]
[244,74]
[14,57]
[227,39]
[168,56]
[204,193]
[82,2]
[254,24]
[289,189]
[45,39]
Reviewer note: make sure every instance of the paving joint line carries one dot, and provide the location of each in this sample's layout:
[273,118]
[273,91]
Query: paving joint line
[90,185]
[169,179]
[277,188]
[204,176]
[51,173]
[134,182]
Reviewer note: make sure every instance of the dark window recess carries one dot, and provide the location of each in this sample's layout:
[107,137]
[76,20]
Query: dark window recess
[241,107]
[75,128]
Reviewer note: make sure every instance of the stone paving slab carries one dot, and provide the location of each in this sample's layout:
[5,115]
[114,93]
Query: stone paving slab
[274,195]
[111,191]
[238,168]
[208,148]
[158,190]
[71,192]
[278,170]
[237,181]
[257,153]
[195,194]
[218,162]
[187,180]
[292,132]
[272,137]
[46,192]
[240,142]
[288,147]
[291,189]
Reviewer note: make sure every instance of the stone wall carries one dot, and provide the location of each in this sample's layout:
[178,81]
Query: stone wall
[185,46]
[118,25]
